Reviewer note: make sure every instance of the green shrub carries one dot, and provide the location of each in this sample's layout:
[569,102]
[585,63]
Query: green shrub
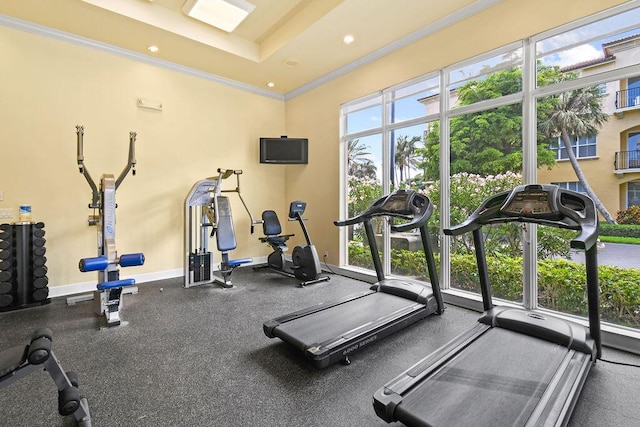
[631,215]
[561,283]
[619,230]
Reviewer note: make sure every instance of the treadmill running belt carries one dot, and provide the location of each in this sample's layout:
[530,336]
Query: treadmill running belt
[502,370]
[344,320]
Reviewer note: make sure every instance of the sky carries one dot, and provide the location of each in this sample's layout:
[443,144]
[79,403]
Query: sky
[569,48]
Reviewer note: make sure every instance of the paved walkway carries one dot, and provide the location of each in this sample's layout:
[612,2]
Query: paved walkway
[614,254]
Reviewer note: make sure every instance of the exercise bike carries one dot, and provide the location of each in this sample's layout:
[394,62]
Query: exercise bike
[305,264]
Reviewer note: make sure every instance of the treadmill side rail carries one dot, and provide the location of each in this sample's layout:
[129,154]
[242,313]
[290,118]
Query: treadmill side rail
[556,405]
[387,398]
[270,325]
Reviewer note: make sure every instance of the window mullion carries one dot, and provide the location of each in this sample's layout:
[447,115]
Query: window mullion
[529,176]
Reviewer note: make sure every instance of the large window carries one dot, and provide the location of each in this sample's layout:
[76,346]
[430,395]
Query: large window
[509,116]
[582,146]
[573,186]
[384,141]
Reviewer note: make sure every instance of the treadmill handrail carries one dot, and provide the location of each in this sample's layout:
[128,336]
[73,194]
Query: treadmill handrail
[581,216]
[405,204]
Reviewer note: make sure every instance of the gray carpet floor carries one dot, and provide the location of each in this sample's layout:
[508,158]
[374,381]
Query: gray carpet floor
[199,357]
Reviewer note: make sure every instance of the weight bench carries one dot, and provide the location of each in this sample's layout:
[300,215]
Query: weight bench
[18,362]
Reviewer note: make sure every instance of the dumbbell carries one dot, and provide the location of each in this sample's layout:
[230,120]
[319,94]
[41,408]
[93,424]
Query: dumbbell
[40,282]
[40,271]
[40,294]
[5,287]
[6,300]
[39,261]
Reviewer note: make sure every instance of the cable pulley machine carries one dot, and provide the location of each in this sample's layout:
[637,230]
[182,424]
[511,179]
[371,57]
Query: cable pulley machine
[208,215]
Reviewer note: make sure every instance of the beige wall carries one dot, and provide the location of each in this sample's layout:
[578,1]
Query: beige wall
[50,86]
[315,114]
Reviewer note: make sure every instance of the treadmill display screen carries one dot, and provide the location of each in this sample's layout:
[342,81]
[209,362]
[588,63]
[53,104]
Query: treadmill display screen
[397,203]
[530,204]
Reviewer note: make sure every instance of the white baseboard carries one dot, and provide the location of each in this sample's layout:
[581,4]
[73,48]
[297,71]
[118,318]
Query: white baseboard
[90,286]
[85,287]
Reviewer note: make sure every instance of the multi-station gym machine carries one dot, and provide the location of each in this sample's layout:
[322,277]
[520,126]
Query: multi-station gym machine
[208,214]
[108,295]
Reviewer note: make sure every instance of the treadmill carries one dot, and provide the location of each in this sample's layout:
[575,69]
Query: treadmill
[516,367]
[329,332]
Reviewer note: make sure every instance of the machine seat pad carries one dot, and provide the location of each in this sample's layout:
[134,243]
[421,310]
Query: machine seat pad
[12,358]
[116,284]
[239,261]
[275,240]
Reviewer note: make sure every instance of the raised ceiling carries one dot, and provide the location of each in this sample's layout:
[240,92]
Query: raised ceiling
[292,43]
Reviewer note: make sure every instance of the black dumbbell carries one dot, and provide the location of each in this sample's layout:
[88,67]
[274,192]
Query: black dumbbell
[39,251]
[40,294]
[40,271]
[5,276]
[6,300]
[39,261]
[40,282]
[6,287]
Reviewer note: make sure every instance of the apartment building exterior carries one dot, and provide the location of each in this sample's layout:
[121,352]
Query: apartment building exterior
[610,160]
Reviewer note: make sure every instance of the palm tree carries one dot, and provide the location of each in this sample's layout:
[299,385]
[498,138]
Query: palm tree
[405,154]
[358,164]
[579,113]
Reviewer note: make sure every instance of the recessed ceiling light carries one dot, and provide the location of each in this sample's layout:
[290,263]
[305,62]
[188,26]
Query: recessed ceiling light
[223,14]
[291,62]
[348,39]
[153,48]
[271,84]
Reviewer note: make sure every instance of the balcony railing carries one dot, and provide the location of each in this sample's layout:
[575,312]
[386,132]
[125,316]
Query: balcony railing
[627,160]
[628,98]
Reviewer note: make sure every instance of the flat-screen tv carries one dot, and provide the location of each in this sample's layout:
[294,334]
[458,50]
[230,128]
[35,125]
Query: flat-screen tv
[283,150]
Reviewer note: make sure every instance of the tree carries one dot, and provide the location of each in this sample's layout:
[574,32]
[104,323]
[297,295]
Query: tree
[405,155]
[488,142]
[358,162]
[577,113]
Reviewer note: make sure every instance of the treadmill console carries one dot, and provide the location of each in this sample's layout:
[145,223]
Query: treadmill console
[398,203]
[405,204]
[532,202]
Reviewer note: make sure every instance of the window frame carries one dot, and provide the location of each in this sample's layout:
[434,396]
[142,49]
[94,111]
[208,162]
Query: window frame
[615,335]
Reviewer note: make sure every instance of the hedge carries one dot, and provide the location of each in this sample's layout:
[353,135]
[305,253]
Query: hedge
[618,230]
[561,283]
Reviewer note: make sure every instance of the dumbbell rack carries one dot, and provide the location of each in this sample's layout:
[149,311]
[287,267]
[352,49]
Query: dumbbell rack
[23,273]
